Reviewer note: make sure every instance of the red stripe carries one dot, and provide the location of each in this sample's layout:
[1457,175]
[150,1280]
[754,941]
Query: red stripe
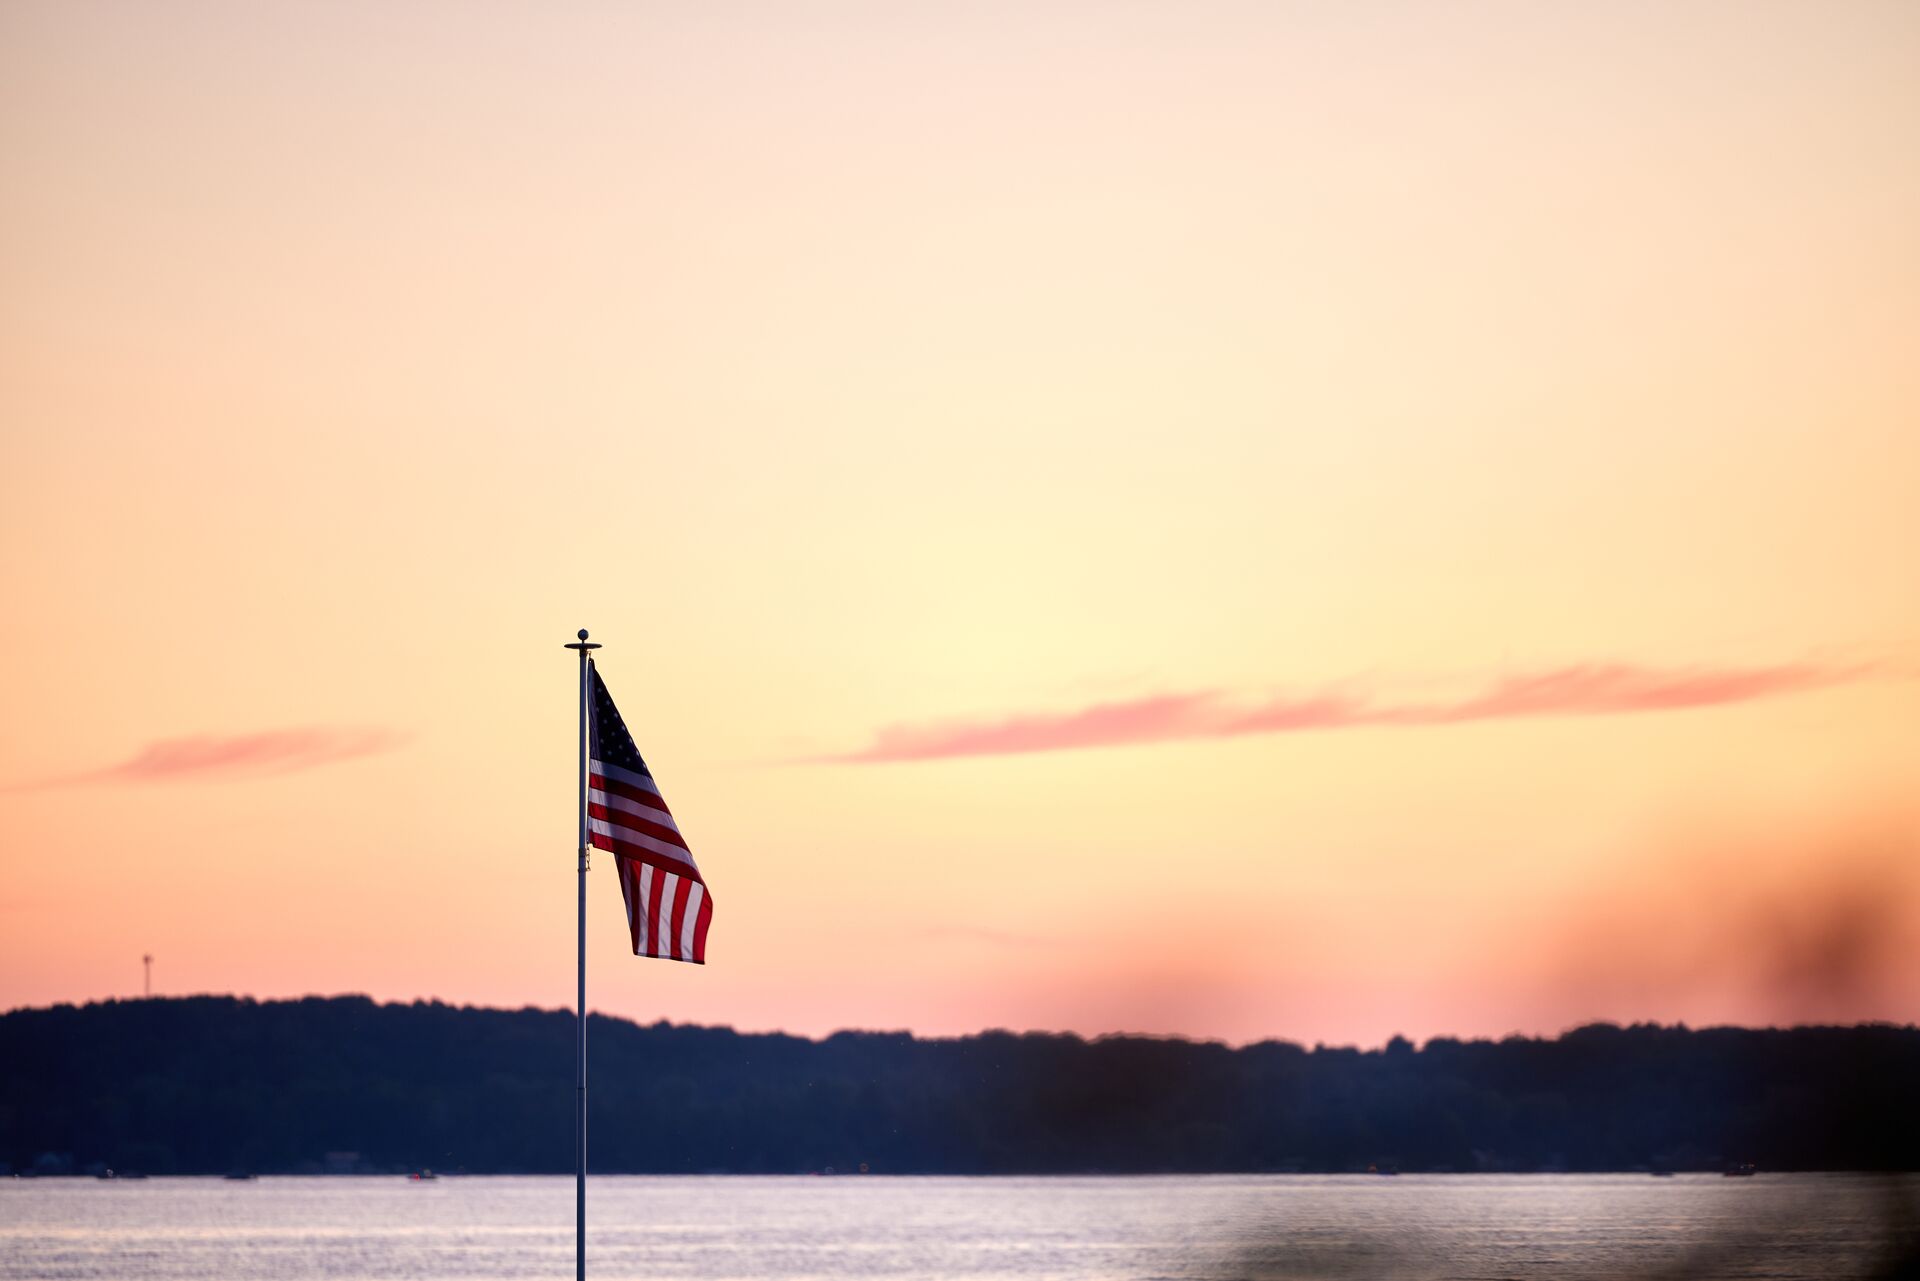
[641,854]
[657,944]
[626,893]
[679,917]
[700,930]
[614,787]
[633,919]
[634,823]
[646,857]
[630,884]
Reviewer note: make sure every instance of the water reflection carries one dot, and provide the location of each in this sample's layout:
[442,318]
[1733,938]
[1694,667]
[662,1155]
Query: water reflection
[796,1229]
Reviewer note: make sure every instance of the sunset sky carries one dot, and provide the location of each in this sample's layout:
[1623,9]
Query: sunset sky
[1236,519]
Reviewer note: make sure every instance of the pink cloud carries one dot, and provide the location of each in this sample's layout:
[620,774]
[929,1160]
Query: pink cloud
[1142,720]
[1598,689]
[238,756]
[1292,715]
[1588,689]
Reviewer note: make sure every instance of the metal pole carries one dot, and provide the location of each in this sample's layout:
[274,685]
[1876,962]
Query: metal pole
[580,1092]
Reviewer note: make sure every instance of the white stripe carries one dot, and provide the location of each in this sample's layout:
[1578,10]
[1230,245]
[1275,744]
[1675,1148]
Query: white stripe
[694,896]
[663,910]
[626,805]
[619,775]
[645,842]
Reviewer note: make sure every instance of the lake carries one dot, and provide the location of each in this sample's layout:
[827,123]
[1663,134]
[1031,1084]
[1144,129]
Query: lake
[1110,1229]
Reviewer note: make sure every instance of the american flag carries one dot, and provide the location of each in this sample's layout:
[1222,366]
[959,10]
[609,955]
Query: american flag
[668,907]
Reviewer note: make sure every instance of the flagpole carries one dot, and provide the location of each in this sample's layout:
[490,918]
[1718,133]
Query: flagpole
[580,1092]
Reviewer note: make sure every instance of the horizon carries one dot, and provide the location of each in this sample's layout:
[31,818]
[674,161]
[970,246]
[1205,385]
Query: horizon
[1366,520]
[1121,1034]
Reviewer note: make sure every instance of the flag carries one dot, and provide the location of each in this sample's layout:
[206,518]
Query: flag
[668,908]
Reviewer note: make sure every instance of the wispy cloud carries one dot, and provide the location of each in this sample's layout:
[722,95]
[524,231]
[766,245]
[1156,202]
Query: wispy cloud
[1587,689]
[213,757]
[1142,720]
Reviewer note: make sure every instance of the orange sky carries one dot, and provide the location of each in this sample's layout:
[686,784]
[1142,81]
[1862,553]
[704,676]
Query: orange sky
[1219,518]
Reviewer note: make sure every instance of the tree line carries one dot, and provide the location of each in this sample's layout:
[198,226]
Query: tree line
[212,1085]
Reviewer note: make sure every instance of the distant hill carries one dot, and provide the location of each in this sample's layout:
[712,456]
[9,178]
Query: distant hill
[208,1085]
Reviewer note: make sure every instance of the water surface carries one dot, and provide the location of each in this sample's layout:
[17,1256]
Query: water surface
[1611,1227]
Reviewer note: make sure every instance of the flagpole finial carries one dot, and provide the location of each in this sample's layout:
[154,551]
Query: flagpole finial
[583,633]
[583,645]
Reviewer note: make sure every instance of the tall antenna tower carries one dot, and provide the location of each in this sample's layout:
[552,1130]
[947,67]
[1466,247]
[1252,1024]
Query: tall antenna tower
[147,961]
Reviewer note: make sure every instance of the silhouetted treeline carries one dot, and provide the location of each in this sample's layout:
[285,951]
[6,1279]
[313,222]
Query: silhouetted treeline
[216,1084]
